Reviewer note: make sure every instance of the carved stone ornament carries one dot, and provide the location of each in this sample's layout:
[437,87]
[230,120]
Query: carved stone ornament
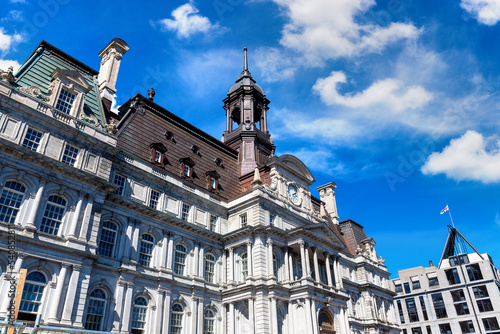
[33,91]
[111,127]
[8,75]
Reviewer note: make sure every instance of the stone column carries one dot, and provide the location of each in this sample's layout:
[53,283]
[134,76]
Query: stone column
[274,316]
[56,299]
[166,313]
[328,269]
[224,266]
[71,294]
[250,258]
[314,317]
[308,313]
[251,314]
[159,311]
[36,204]
[316,266]
[231,318]
[120,288]
[287,271]
[127,307]
[290,262]
[17,268]
[170,254]
[164,250]
[270,269]
[125,243]
[308,262]
[76,215]
[201,266]
[303,258]
[83,283]
[194,313]
[200,316]
[196,262]
[231,265]
[340,284]
[134,250]
[86,219]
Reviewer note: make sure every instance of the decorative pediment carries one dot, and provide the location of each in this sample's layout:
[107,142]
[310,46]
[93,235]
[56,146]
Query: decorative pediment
[213,174]
[187,161]
[158,147]
[318,231]
[70,77]
[292,165]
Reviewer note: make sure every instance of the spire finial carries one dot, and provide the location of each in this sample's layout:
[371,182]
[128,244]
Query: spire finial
[245,61]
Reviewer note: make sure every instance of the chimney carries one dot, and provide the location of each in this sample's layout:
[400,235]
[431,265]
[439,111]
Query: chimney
[111,57]
[327,195]
[430,264]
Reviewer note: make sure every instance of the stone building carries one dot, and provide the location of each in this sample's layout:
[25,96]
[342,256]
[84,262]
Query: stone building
[461,295]
[139,222]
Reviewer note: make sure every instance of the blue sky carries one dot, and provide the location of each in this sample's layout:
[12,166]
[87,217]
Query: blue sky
[396,101]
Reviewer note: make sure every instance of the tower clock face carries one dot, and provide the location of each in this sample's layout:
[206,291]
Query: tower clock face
[293,194]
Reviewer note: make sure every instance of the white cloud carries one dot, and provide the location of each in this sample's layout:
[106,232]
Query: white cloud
[18,1]
[7,41]
[470,157]
[390,93]
[114,106]
[14,15]
[325,29]
[5,64]
[321,160]
[186,22]
[485,11]
[275,66]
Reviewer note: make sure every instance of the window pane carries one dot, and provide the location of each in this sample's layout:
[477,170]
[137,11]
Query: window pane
[108,239]
[53,215]
[10,201]
[65,101]
[146,252]
[120,181]
[32,139]
[95,310]
[70,154]
[180,259]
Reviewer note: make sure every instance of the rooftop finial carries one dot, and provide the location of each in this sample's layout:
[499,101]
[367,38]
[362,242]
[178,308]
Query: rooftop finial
[245,61]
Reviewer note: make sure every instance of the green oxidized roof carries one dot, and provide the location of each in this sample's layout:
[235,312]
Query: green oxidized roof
[37,71]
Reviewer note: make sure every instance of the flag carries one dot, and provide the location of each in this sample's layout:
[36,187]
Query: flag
[445,209]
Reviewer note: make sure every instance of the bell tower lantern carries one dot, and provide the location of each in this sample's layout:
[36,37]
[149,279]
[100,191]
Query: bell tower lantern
[246,108]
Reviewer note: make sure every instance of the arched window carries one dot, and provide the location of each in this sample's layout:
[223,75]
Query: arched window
[11,200]
[95,310]
[326,323]
[107,242]
[244,266]
[176,318]
[180,259]
[275,265]
[208,322]
[53,215]
[32,295]
[209,267]
[146,252]
[139,315]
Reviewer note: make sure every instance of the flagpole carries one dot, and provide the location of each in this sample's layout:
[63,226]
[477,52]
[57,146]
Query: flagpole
[449,211]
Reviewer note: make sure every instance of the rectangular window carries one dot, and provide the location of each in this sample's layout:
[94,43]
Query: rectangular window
[474,272]
[154,199]
[467,326]
[32,139]
[412,309]
[185,211]
[187,171]
[407,287]
[213,223]
[120,181]
[158,157]
[439,307]
[428,328]
[416,330]
[459,260]
[70,155]
[484,305]
[243,220]
[445,329]
[65,101]
[480,291]
[398,287]
[424,309]
[491,324]
[459,302]
[415,283]
[452,276]
[213,183]
[401,313]
[433,281]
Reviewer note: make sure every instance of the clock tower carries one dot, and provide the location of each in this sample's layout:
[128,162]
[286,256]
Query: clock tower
[246,108]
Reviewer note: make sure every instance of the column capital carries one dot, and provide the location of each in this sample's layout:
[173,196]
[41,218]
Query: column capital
[249,242]
[65,265]
[269,242]
[231,249]
[314,249]
[326,255]
[302,243]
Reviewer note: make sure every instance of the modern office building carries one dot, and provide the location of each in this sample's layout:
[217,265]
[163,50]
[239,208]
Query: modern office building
[139,222]
[461,295]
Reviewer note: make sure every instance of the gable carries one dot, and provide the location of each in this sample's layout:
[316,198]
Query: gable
[294,166]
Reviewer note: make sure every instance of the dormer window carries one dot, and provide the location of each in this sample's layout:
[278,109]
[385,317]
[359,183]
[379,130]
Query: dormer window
[65,101]
[212,180]
[158,153]
[67,92]
[187,170]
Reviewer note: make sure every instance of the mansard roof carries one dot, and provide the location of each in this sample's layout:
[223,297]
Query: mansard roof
[145,122]
[45,61]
